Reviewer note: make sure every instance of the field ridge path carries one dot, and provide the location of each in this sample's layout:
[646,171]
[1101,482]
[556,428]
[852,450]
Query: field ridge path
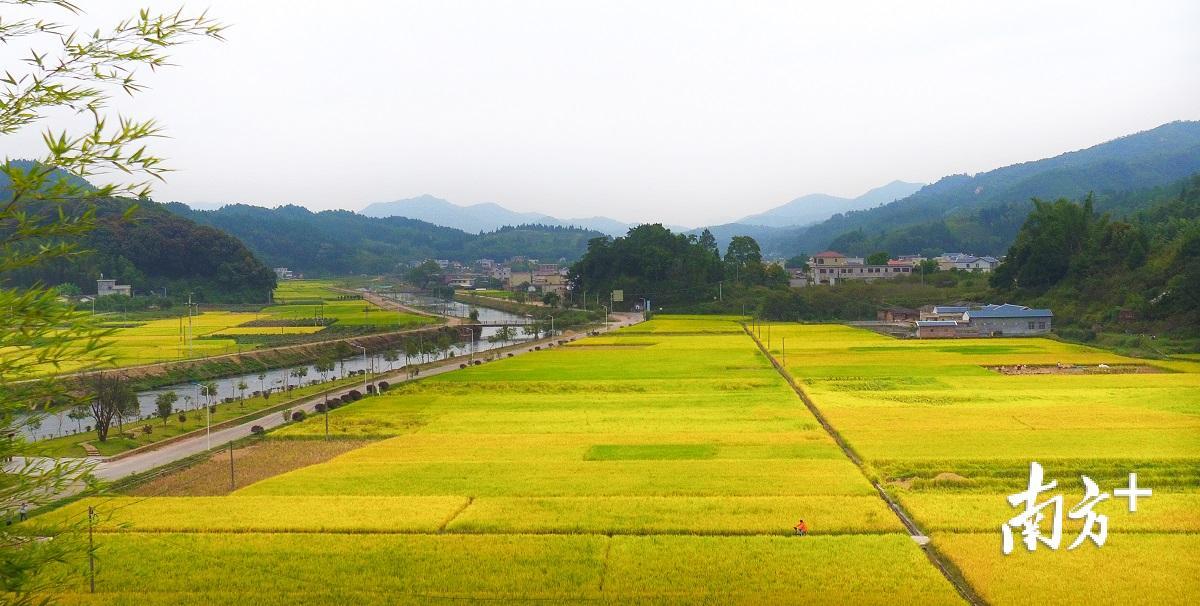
[947,568]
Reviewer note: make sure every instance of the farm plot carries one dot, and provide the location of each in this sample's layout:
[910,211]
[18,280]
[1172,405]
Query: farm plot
[672,472]
[952,438]
[215,333]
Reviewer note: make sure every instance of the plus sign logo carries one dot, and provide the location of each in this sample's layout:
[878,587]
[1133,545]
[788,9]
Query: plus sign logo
[1029,522]
[1132,492]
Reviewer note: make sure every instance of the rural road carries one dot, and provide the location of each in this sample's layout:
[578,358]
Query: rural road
[139,463]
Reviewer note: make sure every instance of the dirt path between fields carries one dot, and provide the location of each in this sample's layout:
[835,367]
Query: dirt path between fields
[948,570]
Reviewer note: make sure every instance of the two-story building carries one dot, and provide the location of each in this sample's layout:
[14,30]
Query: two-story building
[831,267]
[106,287]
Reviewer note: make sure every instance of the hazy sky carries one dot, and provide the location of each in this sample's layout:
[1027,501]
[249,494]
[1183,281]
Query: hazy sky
[683,112]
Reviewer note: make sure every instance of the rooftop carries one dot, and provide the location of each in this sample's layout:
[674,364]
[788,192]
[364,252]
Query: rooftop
[1008,310]
[829,254]
[926,323]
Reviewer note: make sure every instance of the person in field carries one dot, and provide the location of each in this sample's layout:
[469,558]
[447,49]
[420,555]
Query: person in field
[801,528]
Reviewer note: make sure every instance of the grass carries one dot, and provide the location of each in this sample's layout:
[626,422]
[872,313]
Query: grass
[135,436]
[503,482]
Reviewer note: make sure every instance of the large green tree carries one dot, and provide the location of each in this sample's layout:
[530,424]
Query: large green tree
[649,262]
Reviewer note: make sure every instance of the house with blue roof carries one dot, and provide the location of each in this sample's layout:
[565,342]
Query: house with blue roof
[1008,319]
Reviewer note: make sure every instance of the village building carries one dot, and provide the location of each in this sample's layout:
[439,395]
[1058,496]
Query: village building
[831,267]
[1008,319]
[965,262]
[898,314]
[518,278]
[937,329]
[948,321]
[110,287]
[945,312]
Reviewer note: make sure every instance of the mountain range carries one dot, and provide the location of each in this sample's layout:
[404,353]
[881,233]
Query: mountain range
[818,207]
[341,242]
[484,217]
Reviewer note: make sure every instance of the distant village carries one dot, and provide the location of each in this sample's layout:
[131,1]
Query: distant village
[518,274]
[831,267]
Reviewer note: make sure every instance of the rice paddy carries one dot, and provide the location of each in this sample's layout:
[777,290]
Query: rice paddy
[667,463]
[668,472]
[214,333]
[951,438]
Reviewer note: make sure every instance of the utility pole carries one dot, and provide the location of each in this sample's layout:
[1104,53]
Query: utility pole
[231,483]
[720,294]
[91,549]
[605,315]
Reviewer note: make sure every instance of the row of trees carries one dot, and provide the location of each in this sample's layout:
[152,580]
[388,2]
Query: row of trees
[667,268]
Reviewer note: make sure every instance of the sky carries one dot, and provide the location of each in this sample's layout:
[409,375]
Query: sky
[682,112]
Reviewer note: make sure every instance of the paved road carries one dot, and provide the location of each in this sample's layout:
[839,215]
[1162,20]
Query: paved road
[142,462]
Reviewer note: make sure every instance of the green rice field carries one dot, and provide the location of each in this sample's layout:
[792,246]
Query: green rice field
[664,464]
[951,437]
[667,463]
[214,333]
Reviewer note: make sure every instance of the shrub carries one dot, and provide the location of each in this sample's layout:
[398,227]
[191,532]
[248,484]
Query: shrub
[257,430]
[510,354]
[478,362]
[182,419]
[212,408]
[461,366]
[383,386]
[370,388]
[354,394]
[146,429]
[319,407]
[298,415]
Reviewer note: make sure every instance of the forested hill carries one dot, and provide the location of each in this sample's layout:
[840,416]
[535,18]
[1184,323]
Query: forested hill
[155,250]
[339,242]
[982,213]
[1088,267]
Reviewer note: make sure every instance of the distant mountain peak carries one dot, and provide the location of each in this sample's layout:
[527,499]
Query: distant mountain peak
[813,208]
[482,217]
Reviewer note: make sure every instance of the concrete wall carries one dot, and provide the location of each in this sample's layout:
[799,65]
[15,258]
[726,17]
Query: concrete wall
[1011,326]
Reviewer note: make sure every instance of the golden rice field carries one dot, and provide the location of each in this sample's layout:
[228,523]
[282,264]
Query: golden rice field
[667,463]
[214,333]
[952,438]
[663,464]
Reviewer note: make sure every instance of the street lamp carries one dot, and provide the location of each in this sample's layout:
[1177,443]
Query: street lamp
[207,416]
[605,317]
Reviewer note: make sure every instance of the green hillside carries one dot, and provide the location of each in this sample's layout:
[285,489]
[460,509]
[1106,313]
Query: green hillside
[340,242]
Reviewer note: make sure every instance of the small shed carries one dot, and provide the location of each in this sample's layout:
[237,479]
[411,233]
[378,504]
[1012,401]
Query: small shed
[898,314]
[937,329]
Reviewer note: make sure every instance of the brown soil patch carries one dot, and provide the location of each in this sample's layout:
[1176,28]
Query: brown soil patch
[1076,369]
[250,464]
[947,477]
